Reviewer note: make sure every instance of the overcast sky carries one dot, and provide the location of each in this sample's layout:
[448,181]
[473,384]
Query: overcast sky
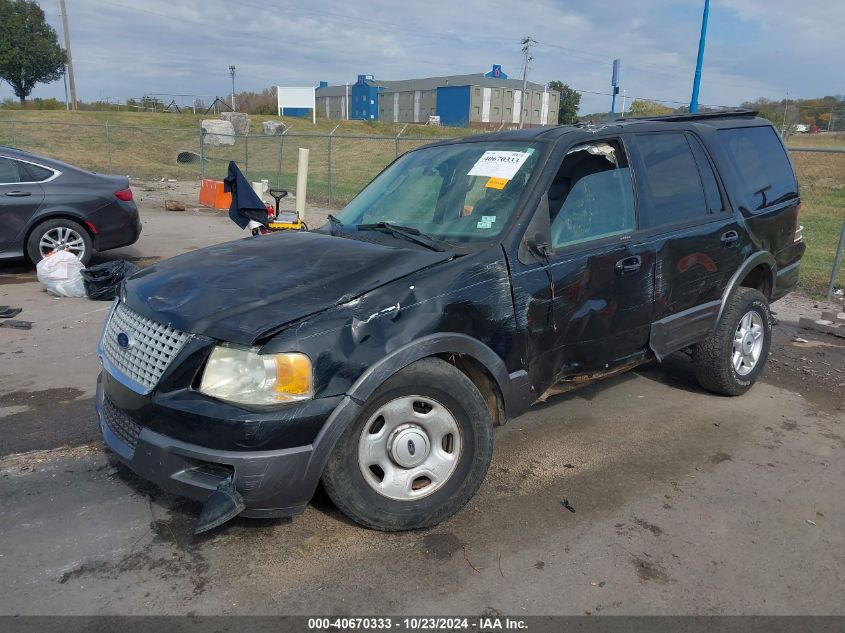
[755,48]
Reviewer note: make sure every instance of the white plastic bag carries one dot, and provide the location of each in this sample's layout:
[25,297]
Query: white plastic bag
[60,273]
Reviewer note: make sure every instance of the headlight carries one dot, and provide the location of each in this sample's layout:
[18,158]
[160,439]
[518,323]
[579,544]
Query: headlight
[242,375]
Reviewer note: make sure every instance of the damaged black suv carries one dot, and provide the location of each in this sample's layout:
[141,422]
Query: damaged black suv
[466,282]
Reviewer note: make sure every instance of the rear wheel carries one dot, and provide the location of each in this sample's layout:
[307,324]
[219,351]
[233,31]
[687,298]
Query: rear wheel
[731,360]
[417,453]
[59,234]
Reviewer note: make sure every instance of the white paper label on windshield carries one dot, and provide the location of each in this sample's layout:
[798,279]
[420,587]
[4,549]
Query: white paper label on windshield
[498,164]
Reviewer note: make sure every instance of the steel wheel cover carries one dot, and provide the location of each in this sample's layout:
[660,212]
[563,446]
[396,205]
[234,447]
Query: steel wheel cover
[409,448]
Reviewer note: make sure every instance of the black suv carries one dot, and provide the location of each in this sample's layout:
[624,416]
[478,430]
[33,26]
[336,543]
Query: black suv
[469,280]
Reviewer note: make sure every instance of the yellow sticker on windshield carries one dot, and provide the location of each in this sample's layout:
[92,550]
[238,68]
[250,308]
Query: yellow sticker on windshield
[496,183]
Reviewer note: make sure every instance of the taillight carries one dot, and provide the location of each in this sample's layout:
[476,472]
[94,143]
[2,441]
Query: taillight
[798,233]
[124,194]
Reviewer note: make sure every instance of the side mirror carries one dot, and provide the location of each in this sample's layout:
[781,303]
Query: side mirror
[539,245]
[536,243]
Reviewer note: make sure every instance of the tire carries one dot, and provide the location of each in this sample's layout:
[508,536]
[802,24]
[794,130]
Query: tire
[430,395]
[59,231]
[721,362]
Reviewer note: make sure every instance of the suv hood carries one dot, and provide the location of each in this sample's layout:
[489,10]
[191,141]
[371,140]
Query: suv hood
[240,291]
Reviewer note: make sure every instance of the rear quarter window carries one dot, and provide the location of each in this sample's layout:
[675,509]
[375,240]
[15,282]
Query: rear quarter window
[36,173]
[761,164]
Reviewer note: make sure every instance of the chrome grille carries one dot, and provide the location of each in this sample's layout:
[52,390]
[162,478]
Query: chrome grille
[121,424]
[152,346]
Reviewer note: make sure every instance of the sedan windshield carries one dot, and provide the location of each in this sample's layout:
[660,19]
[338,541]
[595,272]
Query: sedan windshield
[465,192]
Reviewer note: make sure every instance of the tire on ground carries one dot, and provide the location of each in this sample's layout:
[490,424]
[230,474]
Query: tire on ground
[436,380]
[713,357]
[33,249]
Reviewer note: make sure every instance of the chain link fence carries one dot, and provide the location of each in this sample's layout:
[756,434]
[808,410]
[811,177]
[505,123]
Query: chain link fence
[341,164]
[821,174]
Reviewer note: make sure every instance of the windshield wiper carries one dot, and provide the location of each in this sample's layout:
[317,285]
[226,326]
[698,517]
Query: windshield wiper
[406,232]
[335,223]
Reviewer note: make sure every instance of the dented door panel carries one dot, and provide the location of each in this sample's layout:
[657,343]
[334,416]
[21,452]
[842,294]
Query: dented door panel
[588,317]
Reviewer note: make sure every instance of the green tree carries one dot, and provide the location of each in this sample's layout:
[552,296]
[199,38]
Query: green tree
[570,101]
[644,107]
[29,49]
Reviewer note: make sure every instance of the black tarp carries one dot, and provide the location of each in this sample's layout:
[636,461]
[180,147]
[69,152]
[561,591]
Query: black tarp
[246,204]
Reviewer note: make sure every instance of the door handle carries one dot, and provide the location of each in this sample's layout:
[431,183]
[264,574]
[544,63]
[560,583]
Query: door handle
[18,194]
[628,265]
[729,238]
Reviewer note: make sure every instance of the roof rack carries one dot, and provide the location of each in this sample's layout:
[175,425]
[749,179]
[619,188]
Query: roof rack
[695,116]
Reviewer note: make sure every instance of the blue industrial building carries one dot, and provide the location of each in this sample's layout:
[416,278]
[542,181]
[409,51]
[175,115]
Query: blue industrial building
[484,100]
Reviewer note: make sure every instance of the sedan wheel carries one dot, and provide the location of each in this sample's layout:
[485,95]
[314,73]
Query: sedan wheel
[62,238]
[59,234]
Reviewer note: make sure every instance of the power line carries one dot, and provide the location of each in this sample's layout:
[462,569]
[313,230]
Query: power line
[632,98]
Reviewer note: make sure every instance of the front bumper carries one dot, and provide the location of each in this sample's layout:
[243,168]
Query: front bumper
[273,483]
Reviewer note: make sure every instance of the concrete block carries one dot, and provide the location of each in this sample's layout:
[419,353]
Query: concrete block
[822,325]
[218,132]
[272,128]
[239,121]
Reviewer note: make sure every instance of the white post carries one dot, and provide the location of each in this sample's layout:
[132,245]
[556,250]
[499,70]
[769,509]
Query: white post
[301,183]
[347,102]
[313,105]
[624,99]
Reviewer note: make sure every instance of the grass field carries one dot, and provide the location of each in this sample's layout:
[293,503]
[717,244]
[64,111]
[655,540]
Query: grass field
[822,181]
[145,145]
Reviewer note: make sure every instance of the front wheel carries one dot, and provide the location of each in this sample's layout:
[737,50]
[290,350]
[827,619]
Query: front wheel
[417,453]
[732,359]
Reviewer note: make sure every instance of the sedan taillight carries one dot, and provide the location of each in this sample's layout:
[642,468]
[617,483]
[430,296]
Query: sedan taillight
[124,194]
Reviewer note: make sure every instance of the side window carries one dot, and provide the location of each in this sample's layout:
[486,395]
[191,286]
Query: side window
[591,196]
[35,173]
[672,182]
[8,171]
[708,177]
[758,158]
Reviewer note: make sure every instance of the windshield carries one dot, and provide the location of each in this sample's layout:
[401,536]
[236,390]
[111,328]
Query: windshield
[457,193]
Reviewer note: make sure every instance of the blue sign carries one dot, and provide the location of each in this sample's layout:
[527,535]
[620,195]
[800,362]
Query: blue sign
[497,72]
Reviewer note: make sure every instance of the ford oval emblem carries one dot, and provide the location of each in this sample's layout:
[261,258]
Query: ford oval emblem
[411,448]
[124,340]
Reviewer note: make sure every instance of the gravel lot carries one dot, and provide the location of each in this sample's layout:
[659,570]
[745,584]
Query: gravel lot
[684,502]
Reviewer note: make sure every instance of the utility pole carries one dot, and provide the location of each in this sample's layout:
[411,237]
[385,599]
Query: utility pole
[232,73]
[69,64]
[696,82]
[785,108]
[527,43]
